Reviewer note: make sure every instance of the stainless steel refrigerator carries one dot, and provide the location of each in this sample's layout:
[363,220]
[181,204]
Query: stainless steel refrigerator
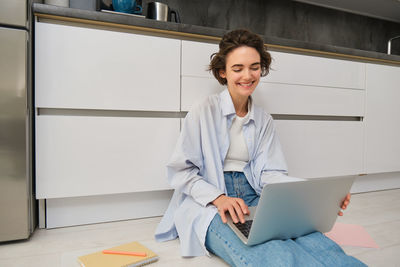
[17,204]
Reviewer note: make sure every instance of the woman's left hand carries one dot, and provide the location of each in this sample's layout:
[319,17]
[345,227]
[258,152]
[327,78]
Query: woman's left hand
[345,203]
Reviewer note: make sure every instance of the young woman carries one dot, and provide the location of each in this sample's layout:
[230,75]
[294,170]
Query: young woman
[226,153]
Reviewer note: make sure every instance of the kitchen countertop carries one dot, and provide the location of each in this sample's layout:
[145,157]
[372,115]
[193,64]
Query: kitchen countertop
[181,29]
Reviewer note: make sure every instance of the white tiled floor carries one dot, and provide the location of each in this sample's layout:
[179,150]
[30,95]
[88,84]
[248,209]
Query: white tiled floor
[378,212]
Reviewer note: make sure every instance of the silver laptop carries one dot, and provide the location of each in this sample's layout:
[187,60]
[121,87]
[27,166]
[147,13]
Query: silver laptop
[293,209]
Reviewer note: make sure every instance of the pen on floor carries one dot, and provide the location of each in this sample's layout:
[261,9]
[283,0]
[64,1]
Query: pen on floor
[140,254]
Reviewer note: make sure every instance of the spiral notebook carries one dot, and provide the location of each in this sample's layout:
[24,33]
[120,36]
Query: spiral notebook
[99,259]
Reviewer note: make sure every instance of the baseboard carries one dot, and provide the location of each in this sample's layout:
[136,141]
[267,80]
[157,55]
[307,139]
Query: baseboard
[376,182]
[61,212]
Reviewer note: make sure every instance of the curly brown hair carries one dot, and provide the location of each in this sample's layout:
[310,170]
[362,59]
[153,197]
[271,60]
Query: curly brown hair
[233,40]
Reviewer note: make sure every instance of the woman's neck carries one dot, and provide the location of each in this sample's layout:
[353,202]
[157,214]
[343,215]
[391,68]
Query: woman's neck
[241,105]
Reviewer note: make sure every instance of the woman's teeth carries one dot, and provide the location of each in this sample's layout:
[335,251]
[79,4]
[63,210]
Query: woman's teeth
[246,84]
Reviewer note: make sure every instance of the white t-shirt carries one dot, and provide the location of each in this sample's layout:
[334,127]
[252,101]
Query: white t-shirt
[238,154]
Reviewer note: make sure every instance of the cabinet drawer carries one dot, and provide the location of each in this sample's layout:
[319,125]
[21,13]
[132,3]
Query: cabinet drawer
[321,148]
[86,68]
[284,98]
[316,71]
[82,155]
[309,100]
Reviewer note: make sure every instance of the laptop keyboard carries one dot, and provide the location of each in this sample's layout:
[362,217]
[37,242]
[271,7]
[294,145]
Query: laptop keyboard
[244,227]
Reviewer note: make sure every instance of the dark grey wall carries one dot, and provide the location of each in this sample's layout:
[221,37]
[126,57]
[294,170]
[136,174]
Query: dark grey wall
[291,20]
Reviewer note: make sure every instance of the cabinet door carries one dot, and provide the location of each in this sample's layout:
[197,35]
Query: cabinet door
[85,68]
[382,119]
[196,58]
[321,148]
[84,155]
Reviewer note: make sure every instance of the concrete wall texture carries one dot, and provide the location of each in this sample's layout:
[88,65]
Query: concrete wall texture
[291,20]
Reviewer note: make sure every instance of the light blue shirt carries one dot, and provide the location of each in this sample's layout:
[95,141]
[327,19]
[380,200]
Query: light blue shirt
[195,169]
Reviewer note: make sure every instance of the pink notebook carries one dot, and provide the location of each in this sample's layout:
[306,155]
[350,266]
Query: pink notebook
[351,235]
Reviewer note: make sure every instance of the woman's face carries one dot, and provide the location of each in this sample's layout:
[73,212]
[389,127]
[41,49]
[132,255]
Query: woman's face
[242,71]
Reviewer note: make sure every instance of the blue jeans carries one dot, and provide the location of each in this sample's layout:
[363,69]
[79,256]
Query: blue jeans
[314,249]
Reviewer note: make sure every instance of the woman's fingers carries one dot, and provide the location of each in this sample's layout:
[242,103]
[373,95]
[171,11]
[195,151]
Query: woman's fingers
[243,206]
[232,213]
[345,203]
[223,216]
[236,212]
[239,212]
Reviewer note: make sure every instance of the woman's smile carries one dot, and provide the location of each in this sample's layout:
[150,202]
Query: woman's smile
[246,85]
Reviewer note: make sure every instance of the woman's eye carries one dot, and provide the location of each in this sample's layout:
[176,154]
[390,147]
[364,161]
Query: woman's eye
[255,69]
[236,70]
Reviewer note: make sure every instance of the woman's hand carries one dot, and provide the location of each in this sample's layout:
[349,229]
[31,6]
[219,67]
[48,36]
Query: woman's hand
[235,206]
[345,202]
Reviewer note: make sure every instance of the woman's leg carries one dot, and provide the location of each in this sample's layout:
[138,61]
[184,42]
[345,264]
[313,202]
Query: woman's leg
[221,241]
[326,251]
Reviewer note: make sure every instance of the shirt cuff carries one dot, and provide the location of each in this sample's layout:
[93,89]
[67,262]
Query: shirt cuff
[204,193]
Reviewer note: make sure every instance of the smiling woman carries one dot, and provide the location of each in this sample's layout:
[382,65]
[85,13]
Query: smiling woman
[226,153]
[240,63]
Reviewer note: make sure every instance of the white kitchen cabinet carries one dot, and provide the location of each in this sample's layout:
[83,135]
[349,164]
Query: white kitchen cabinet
[321,148]
[316,71]
[296,85]
[84,155]
[97,147]
[85,68]
[104,127]
[382,119]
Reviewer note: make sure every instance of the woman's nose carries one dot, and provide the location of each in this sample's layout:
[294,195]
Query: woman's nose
[247,74]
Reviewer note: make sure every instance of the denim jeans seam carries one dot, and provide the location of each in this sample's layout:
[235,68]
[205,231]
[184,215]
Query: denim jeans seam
[242,258]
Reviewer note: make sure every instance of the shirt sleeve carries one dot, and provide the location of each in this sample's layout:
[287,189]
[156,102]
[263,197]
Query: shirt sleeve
[271,158]
[186,162]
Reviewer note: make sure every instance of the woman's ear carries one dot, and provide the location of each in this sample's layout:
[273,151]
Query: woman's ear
[222,74]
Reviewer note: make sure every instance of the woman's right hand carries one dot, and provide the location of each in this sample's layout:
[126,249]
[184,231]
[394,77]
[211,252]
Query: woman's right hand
[235,206]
